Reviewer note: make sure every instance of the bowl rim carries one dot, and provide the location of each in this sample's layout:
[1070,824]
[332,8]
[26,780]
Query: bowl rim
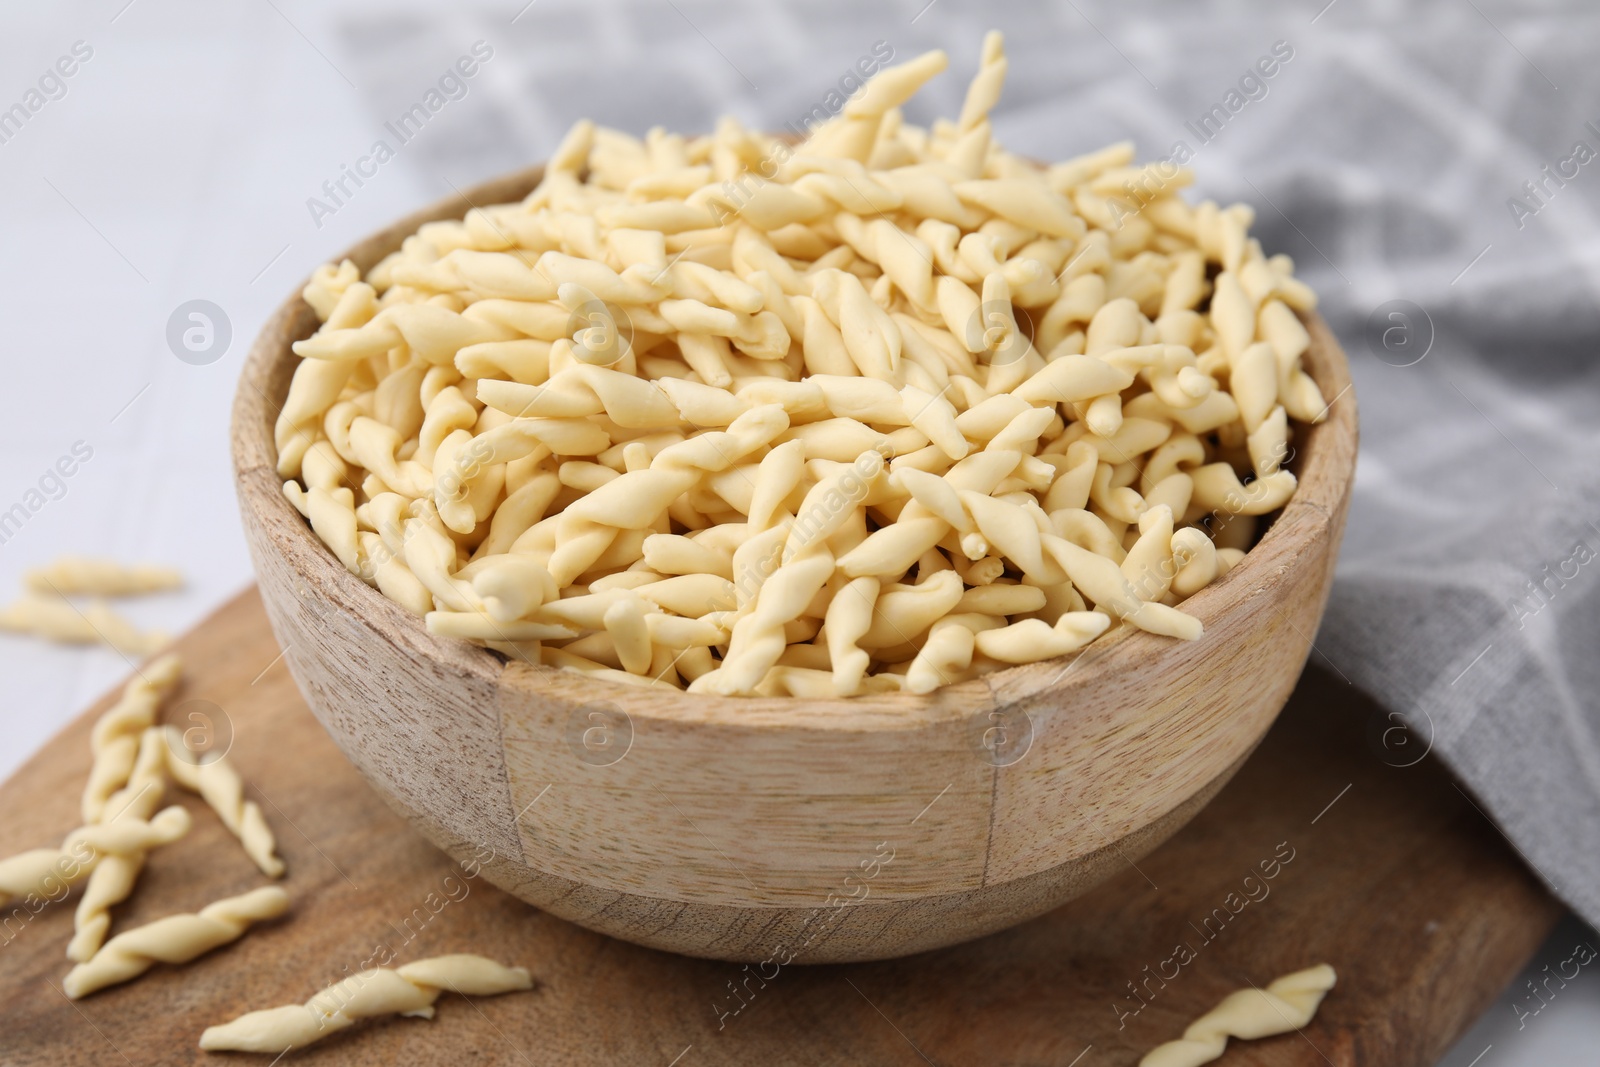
[1325,453]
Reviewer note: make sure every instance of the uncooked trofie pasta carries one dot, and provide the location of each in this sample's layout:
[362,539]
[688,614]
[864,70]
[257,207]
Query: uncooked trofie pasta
[174,939]
[115,875]
[408,990]
[58,619]
[100,577]
[133,759]
[886,409]
[41,871]
[1289,1003]
[220,786]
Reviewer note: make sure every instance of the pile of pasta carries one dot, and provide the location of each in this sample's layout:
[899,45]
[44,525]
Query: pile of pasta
[135,760]
[886,409]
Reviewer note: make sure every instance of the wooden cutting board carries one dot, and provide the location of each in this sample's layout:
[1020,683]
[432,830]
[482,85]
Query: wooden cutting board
[1389,873]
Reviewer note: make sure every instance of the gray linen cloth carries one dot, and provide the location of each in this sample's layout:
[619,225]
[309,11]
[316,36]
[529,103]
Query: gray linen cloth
[1390,154]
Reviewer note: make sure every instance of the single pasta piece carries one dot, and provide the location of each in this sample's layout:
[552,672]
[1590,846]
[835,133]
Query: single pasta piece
[100,577]
[41,873]
[174,939]
[1287,1004]
[38,871]
[220,786]
[117,734]
[408,990]
[57,619]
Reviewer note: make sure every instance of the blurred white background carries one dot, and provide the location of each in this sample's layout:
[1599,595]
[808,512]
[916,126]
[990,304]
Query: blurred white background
[179,161]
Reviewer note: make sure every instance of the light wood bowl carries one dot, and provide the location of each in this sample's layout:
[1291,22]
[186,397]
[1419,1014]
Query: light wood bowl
[783,829]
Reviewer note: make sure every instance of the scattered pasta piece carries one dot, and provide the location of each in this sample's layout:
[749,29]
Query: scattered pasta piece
[114,876]
[1287,1004]
[57,619]
[117,737]
[220,786]
[407,990]
[38,873]
[100,577]
[174,939]
[886,409]
[39,870]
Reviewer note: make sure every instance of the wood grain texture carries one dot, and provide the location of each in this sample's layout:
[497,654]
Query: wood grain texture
[1400,884]
[728,818]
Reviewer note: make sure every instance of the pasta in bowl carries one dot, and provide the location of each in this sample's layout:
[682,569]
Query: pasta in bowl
[887,420]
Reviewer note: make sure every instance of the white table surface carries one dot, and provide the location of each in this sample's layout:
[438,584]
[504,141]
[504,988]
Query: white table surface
[176,167]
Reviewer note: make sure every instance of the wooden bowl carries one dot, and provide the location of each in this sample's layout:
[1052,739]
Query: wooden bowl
[790,830]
